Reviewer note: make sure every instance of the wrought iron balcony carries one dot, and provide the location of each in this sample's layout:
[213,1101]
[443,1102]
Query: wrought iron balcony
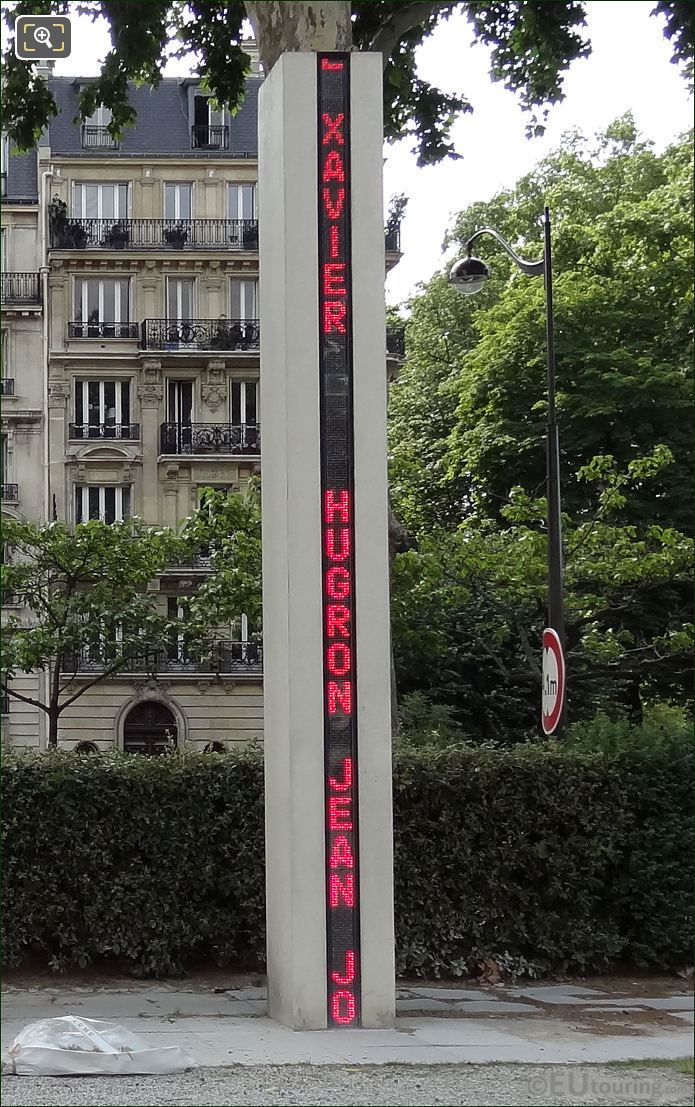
[7,386]
[220,659]
[201,334]
[392,237]
[10,493]
[210,136]
[21,288]
[81,431]
[95,138]
[395,340]
[155,234]
[196,562]
[96,329]
[210,438]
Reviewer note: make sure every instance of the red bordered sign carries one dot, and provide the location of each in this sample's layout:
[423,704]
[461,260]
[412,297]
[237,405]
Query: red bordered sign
[553,681]
[338,541]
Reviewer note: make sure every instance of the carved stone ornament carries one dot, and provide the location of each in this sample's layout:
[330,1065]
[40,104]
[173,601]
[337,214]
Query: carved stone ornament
[214,396]
[150,395]
[58,393]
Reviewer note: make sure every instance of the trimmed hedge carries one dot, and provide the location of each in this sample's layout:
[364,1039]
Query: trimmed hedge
[545,858]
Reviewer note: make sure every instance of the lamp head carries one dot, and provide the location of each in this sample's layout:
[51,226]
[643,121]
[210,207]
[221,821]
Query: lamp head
[469,275]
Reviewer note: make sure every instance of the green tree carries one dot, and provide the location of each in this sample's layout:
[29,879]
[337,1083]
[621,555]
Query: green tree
[471,401]
[469,607]
[532,43]
[83,595]
[227,528]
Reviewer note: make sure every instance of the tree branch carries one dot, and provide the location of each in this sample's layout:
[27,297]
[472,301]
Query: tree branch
[403,19]
[24,699]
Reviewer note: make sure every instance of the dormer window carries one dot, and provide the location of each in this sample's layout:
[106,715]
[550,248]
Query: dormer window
[94,132]
[209,131]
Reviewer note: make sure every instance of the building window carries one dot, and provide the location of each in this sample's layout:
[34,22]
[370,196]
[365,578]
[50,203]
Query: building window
[243,299]
[109,503]
[209,130]
[102,307]
[245,413]
[102,409]
[94,130]
[180,298]
[101,201]
[241,201]
[178,200]
[180,402]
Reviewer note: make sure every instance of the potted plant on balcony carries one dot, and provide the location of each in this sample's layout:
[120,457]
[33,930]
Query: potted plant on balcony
[250,235]
[176,236]
[77,236]
[118,236]
[62,232]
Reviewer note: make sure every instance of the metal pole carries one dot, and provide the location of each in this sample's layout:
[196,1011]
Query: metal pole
[556,617]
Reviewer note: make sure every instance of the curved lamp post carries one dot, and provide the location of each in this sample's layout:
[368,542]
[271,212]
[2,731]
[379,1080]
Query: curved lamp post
[469,276]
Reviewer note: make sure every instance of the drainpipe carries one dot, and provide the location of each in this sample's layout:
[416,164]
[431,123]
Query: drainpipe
[44,270]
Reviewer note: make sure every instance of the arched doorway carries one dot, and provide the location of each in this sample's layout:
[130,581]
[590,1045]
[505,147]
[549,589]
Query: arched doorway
[149,728]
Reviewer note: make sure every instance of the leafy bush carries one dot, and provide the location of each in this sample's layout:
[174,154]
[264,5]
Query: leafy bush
[543,857]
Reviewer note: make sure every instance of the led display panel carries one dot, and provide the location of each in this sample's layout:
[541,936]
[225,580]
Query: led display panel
[338,540]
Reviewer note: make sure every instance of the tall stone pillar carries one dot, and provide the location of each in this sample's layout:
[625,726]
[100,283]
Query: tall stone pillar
[325,563]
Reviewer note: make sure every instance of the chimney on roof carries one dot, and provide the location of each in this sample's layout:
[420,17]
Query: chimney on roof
[250,47]
[45,68]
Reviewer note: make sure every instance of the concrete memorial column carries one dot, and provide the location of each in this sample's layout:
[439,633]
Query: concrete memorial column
[325,551]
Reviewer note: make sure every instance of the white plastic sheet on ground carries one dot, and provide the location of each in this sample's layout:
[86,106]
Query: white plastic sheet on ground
[72,1046]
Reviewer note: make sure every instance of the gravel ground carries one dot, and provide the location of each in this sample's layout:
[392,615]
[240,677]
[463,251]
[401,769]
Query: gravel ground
[364,1086]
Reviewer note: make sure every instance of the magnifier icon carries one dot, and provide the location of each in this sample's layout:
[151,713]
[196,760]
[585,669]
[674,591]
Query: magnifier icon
[43,36]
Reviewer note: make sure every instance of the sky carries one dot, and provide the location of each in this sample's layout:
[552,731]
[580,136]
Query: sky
[629,69]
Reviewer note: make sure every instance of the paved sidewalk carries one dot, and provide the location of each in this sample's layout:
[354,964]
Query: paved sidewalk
[542,1024]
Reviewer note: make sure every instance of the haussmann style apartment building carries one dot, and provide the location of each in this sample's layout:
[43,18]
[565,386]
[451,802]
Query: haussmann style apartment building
[130,373]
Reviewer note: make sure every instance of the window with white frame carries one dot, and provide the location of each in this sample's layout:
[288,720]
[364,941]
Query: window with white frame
[101,117]
[108,502]
[243,299]
[180,402]
[241,201]
[178,200]
[245,412]
[101,304]
[100,201]
[4,161]
[102,409]
[180,298]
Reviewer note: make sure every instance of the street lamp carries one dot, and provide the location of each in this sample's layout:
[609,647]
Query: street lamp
[469,275]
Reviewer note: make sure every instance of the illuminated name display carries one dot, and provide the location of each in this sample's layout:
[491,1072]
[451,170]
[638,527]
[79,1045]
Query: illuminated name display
[338,540]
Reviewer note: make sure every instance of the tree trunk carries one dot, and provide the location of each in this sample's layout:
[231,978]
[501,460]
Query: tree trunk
[52,730]
[281,27]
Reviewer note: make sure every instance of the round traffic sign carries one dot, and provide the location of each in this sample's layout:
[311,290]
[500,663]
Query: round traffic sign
[553,681]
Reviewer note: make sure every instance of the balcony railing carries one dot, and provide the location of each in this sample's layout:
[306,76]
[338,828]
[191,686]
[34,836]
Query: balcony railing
[210,438]
[81,431]
[197,562]
[94,138]
[392,238]
[211,136]
[155,234]
[222,658]
[395,340]
[201,334]
[21,288]
[7,386]
[10,493]
[95,329]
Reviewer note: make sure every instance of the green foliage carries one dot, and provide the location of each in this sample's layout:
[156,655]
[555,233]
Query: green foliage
[82,590]
[471,400]
[533,43]
[469,607]
[549,857]
[228,528]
